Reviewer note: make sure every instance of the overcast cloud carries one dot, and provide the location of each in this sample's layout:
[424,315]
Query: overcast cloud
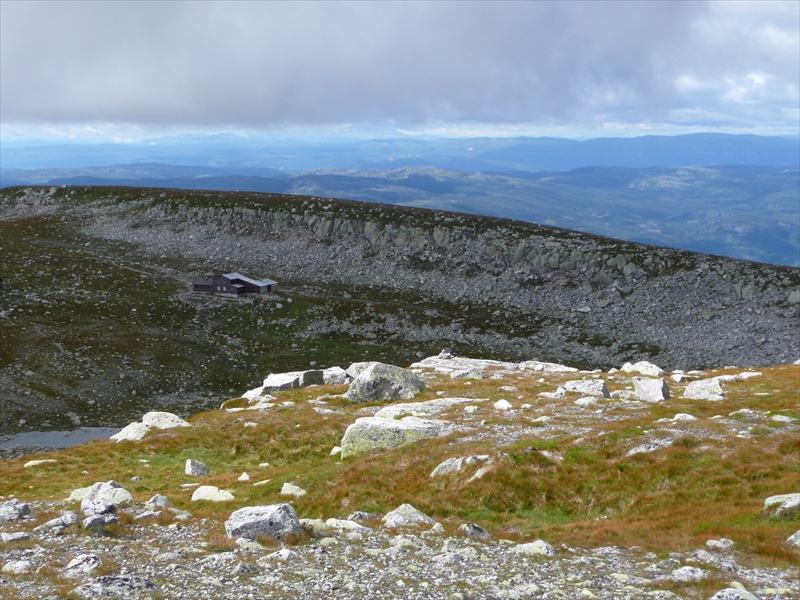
[269,65]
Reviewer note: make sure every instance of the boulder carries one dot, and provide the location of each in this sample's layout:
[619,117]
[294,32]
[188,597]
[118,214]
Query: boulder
[14,537]
[133,432]
[114,586]
[643,368]
[783,505]
[590,387]
[163,420]
[276,521]
[289,489]
[281,382]
[451,465]
[14,510]
[97,506]
[688,574]
[355,369]
[428,408]
[110,491]
[384,382]
[41,461]
[545,367]
[335,376]
[157,502]
[502,405]
[17,567]
[82,565]
[196,468]
[211,493]
[369,434]
[651,390]
[537,547]
[474,531]
[794,539]
[704,389]
[311,377]
[406,516]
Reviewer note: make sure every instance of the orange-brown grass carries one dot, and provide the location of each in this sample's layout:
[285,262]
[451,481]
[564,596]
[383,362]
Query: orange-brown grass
[708,484]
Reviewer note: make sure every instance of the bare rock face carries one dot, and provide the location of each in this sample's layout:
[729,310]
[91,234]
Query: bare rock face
[384,382]
[275,521]
[651,390]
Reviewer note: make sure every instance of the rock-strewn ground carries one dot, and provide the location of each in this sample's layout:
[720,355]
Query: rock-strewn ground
[640,499]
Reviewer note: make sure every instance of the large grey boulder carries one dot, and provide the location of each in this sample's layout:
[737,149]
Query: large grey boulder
[369,434]
[14,510]
[355,369]
[276,521]
[704,389]
[281,382]
[589,387]
[384,382]
[406,515]
[651,390]
[97,506]
[311,377]
[783,505]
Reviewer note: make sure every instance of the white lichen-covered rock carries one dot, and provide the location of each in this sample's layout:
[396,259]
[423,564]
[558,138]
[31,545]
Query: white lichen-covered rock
[110,491]
[704,389]
[589,387]
[335,376]
[406,516]
[282,555]
[537,547]
[276,521]
[164,420]
[38,462]
[586,401]
[502,405]
[651,390]
[451,465]
[290,489]
[783,505]
[14,510]
[17,536]
[429,408]
[684,417]
[369,434]
[211,494]
[97,506]
[196,468]
[82,565]
[384,382]
[355,369]
[643,368]
[157,502]
[720,544]
[133,432]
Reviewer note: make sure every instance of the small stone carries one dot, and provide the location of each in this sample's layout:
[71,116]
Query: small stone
[82,565]
[502,405]
[17,536]
[720,544]
[406,516]
[158,501]
[336,450]
[14,510]
[787,505]
[688,574]
[17,567]
[794,539]
[733,594]
[243,477]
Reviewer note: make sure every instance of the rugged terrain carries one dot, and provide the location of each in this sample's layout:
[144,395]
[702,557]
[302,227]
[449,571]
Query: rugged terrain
[631,498]
[98,320]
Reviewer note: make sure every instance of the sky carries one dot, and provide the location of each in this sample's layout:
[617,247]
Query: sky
[128,71]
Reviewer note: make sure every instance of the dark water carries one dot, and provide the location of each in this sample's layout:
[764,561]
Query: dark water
[57,439]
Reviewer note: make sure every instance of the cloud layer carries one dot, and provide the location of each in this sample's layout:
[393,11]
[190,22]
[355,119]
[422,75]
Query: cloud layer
[262,65]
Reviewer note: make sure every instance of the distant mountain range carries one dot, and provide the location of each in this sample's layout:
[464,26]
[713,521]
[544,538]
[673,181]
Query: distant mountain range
[746,212]
[242,154]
